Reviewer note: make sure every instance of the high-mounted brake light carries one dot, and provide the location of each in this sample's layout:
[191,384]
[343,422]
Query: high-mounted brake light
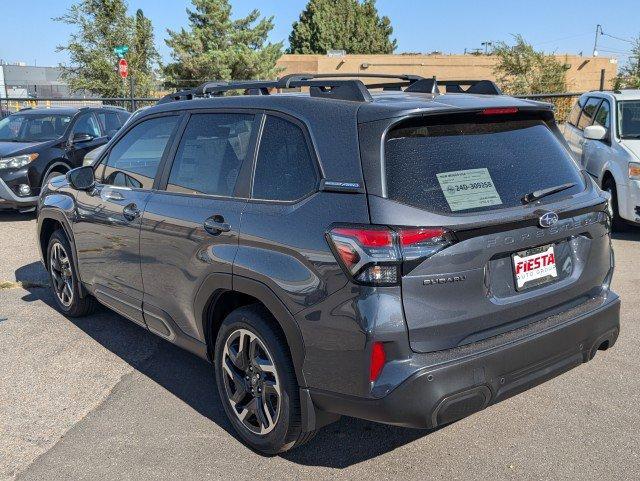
[374,255]
[500,111]
[378,360]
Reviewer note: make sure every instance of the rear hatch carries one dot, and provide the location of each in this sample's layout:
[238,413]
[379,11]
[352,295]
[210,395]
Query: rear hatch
[513,253]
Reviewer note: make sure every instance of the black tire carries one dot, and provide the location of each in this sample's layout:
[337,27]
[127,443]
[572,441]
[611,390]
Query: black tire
[63,273]
[618,224]
[286,432]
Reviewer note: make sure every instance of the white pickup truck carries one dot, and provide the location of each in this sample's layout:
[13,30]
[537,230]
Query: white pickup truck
[603,131]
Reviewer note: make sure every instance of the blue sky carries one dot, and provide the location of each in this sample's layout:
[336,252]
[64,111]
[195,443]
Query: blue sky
[419,26]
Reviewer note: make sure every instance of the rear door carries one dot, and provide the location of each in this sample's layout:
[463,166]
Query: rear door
[190,225]
[570,129]
[507,264]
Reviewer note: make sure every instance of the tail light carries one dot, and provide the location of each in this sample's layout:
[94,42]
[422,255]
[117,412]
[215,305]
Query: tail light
[374,255]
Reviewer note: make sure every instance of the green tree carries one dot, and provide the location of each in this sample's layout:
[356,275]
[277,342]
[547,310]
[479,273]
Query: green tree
[101,25]
[348,25]
[522,70]
[629,75]
[216,47]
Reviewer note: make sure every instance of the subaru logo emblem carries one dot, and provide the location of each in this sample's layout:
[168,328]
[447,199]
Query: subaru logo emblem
[548,219]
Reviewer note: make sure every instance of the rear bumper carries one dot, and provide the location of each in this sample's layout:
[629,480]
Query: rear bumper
[438,394]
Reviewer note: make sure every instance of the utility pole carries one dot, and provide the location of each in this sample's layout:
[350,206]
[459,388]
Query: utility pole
[595,43]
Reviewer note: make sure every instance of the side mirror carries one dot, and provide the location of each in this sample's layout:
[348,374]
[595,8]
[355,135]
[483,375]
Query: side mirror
[81,178]
[79,137]
[595,132]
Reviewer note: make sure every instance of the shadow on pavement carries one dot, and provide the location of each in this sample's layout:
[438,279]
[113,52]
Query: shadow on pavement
[342,444]
[15,216]
[631,234]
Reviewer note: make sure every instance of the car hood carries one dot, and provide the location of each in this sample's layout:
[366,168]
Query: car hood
[633,146]
[9,149]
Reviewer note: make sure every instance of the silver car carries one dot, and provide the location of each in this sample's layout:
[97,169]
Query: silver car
[603,132]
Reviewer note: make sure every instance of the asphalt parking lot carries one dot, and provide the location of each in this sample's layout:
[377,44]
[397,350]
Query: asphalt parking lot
[100,398]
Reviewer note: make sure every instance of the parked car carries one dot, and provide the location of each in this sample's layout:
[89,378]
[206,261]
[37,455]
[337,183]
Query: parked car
[39,144]
[603,131]
[403,256]
[91,157]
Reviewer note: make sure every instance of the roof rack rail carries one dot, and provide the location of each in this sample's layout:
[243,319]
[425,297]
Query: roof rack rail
[340,86]
[481,87]
[353,90]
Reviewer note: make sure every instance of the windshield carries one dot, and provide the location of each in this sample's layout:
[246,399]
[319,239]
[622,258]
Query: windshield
[629,119]
[33,127]
[460,165]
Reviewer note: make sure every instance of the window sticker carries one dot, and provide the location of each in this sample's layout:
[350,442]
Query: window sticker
[468,189]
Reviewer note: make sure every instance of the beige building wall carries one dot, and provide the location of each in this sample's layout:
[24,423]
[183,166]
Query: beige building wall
[583,73]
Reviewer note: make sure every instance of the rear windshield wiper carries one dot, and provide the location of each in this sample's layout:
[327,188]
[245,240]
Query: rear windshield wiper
[539,194]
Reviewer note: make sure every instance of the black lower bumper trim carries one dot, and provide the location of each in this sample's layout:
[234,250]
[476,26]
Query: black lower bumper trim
[437,395]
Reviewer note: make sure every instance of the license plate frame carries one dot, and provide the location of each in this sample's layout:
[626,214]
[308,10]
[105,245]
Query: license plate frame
[546,273]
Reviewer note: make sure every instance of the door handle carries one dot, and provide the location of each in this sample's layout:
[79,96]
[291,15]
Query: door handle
[131,212]
[113,195]
[215,225]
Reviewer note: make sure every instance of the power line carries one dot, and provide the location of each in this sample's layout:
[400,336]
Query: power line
[617,38]
[560,39]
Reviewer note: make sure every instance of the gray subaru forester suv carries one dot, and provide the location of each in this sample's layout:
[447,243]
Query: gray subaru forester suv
[384,251]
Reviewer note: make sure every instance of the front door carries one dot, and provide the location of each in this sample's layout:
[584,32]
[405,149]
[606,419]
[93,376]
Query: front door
[107,229]
[190,225]
[84,137]
[586,119]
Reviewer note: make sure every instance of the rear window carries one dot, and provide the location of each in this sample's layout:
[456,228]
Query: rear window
[456,166]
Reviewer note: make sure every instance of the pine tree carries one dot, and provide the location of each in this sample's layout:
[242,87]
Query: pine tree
[101,25]
[341,25]
[216,47]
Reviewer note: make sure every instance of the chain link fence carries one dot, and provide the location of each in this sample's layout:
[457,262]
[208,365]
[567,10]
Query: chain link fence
[562,102]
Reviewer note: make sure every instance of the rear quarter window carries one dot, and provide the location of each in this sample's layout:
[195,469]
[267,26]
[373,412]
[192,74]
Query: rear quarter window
[456,165]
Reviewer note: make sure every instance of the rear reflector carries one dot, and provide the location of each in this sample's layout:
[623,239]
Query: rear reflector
[500,111]
[378,359]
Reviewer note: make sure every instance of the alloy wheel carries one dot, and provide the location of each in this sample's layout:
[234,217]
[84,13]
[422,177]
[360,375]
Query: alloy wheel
[251,381]
[61,274]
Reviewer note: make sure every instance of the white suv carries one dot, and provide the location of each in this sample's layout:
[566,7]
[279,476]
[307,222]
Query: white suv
[603,131]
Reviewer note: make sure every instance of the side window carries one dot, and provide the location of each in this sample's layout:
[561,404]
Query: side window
[603,116]
[134,160]
[285,169]
[588,112]
[87,124]
[211,152]
[109,122]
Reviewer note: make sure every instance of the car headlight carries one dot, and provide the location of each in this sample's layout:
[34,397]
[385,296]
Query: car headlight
[634,171]
[17,161]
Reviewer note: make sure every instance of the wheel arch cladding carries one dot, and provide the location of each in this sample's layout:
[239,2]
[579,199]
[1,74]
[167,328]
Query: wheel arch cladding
[222,301]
